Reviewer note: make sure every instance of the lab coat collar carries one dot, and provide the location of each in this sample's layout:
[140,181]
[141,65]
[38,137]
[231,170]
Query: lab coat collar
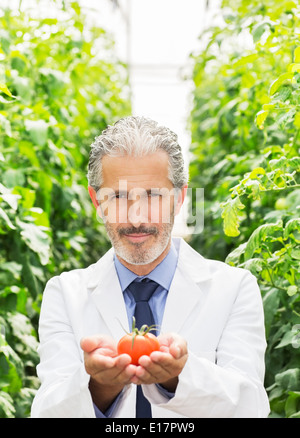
[195,265]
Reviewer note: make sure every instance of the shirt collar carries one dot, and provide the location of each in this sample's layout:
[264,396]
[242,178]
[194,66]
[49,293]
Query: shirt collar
[162,273]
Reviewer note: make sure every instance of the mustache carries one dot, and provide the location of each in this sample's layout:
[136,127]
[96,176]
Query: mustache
[140,230]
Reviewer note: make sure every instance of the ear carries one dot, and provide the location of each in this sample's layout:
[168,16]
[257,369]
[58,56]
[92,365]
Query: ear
[180,199]
[93,196]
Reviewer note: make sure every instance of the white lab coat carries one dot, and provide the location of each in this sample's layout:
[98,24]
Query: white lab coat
[215,307]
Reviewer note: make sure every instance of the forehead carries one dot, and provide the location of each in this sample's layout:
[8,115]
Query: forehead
[148,171]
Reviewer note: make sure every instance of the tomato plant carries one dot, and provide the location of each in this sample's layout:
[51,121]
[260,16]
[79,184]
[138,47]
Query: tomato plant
[60,85]
[245,126]
[138,343]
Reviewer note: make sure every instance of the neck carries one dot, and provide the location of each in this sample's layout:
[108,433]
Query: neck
[142,270]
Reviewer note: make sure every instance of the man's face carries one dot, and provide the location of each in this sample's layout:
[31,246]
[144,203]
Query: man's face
[137,204]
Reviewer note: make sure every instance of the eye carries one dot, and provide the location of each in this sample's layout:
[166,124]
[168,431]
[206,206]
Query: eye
[120,195]
[155,195]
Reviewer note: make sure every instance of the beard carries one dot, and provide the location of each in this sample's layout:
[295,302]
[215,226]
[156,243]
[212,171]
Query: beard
[139,253]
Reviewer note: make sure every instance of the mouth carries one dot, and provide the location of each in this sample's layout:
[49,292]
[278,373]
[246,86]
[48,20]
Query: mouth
[138,238]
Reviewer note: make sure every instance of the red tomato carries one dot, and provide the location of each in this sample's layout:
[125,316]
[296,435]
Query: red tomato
[139,346]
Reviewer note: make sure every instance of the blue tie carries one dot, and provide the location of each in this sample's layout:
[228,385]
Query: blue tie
[142,292]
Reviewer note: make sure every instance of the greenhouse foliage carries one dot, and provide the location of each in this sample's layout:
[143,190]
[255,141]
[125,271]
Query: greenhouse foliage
[60,85]
[245,127]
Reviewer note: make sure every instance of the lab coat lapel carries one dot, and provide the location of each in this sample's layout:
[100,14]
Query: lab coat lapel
[108,296]
[182,298]
[187,288]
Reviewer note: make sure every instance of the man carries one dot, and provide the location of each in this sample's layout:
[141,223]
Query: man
[210,316]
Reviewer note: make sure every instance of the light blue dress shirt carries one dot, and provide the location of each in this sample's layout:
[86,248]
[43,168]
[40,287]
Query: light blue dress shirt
[163,275]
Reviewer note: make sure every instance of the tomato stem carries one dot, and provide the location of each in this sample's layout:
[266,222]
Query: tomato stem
[142,331]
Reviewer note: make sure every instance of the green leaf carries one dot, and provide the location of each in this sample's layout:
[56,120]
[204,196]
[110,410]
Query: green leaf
[292,404]
[297,54]
[13,267]
[292,290]
[27,150]
[294,67]
[13,373]
[255,188]
[6,219]
[13,177]
[11,199]
[245,60]
[261,234]
[287,339]
[22,330]
[5,123]
[295,253]
[29,278]
[5,90]
[260,118]
[255,265]
[270,303]
[36,239]
[27,196]
[23,88]
[7,409]
[292,229]
[279,81]
[234,258]
[38,131]
[55,80]
[289,379]
[259,29]
[232,214]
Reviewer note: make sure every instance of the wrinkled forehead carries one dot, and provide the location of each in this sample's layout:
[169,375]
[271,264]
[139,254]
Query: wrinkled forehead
[149,171]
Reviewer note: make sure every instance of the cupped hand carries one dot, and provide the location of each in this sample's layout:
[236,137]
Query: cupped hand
[109,372]
[102,361]
[164,366]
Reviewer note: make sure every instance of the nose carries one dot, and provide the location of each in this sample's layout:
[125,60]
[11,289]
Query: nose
[137,212]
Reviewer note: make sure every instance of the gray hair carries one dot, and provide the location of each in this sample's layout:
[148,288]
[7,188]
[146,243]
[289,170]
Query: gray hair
[136,136]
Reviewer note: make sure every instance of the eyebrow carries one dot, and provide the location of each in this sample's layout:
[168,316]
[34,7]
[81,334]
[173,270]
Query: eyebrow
[147,192]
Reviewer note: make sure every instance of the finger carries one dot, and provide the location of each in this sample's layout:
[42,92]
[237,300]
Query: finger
[161,357]
[96,364]
[149,371]
[121,373]
[92,343]
[174,344]
[140,376]
[164,340]
[165,364]
[122,361]
[145,361]
[176,351]
[164,349]
[106,369]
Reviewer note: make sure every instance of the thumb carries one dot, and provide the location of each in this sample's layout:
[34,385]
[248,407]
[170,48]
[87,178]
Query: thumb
[91,343]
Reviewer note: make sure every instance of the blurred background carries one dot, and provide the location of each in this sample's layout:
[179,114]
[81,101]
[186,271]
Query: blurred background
[225,76]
